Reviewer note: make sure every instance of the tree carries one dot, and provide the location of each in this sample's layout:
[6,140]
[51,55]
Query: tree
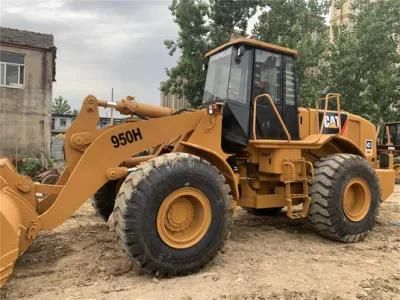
[227,16]
[61,106]
[187,78]
[298,25]
[75,113]
[202,26]
[363,64]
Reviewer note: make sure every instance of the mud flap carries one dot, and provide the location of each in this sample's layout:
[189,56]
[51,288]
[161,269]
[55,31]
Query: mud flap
[386,182]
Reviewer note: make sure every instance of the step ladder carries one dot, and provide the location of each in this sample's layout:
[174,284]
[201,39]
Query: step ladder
[295,172]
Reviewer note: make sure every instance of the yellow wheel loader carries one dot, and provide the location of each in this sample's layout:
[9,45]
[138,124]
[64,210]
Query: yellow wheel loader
[168,182]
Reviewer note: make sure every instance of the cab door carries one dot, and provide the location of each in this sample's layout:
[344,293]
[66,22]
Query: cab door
[267,78]
[274,74]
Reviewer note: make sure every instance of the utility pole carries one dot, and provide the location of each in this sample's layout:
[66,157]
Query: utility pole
[16,152]
[112,109]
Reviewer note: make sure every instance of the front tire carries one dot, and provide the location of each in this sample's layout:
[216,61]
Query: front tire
[345,198]
[173,214]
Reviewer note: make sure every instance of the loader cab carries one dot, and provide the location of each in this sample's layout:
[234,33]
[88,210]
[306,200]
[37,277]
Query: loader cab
[238,72]
[392,134]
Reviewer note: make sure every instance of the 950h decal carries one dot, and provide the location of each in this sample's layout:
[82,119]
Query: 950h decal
[127,137]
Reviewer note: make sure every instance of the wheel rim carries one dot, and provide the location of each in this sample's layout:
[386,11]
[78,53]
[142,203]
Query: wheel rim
[184,218]
[356,199]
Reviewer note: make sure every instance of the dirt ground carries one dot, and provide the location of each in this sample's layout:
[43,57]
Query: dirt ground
[265,258]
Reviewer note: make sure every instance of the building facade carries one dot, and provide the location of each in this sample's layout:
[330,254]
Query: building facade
[339,15]
[60,123]
[27,65]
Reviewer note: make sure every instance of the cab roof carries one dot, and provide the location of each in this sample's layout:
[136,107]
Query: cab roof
[254,43]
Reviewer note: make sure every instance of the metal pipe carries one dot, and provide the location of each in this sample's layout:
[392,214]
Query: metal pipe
[111,104]
[271,102]
[129,106]
[134,161]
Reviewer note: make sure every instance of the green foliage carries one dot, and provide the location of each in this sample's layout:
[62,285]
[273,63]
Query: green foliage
[225,16]
[187,78]
[298,25]
[75,113]
[33,166]
[61,106]
[202,26]
[363,63]
[30,167]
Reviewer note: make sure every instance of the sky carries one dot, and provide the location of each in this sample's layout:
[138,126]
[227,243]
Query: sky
[102,44]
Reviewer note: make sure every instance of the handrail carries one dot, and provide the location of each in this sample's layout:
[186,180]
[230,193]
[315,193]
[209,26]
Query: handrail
[292,168]
[329,96]
[388,137]
[276,113]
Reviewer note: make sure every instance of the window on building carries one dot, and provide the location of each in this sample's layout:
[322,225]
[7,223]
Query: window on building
[12,69]
[53,125]
[63,123]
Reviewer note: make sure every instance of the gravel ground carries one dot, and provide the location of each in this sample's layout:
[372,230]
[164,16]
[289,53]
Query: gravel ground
[265,258]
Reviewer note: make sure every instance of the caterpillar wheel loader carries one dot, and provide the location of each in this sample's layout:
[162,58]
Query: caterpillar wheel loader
[168,182]
[390,142]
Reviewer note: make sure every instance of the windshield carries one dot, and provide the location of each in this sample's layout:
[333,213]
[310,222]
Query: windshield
[216,87]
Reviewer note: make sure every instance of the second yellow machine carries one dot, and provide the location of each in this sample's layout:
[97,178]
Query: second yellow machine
[168,183]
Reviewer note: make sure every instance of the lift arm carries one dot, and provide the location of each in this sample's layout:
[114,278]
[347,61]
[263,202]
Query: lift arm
[94,164]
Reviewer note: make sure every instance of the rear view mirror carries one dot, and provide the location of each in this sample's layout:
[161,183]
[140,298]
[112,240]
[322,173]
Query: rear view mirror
[239,54]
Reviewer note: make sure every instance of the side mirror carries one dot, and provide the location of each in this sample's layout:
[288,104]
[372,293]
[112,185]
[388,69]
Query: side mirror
[239,54]
[204,67]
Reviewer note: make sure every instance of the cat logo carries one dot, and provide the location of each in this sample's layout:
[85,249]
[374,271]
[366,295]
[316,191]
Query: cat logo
[331,121]
[368,147]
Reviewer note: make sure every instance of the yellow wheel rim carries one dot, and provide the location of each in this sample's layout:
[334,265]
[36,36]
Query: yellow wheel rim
[184,218]
[356,199]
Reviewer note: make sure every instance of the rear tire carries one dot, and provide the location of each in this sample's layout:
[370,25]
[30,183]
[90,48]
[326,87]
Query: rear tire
[104,199]
[397,169]
[141,211]
[345,198]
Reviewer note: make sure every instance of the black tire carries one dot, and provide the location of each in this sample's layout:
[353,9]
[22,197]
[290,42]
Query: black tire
[50,179]
[104,199]
[326,212]
[272,211]
[138,202]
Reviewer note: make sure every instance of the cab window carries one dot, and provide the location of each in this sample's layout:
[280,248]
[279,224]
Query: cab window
[239,77]
[267,74]
[392,133]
